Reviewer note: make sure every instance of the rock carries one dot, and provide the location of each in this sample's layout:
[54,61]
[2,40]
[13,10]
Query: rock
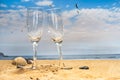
[31,78]
[84,67]
[29,61]
[2,54]
[19,61]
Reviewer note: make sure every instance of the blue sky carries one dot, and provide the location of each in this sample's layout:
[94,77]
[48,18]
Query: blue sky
[70,4]
[92,28]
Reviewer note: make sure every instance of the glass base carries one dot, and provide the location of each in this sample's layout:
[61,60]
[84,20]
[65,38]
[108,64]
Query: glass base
[61,64]
[64,67]
[33,67]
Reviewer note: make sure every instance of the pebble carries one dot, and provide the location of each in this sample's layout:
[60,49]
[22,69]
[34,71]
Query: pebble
[29,61]
[31,78]
[84,67]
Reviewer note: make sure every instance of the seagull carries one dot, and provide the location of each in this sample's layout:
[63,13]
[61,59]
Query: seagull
[76,5]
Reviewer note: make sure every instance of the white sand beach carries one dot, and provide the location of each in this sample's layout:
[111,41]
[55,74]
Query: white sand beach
[98,70]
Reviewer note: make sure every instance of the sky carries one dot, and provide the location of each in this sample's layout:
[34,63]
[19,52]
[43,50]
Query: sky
[90,27]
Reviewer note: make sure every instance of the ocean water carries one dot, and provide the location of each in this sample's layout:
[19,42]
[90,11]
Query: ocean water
[68,57]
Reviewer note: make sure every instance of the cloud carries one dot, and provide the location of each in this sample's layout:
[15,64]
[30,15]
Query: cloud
[89,25]
[13,33]
[12,19]
[20,6]
[92,25]
[3,5]
[92,29]
[44,3]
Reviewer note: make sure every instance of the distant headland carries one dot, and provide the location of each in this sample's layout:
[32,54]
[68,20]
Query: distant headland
[2,54]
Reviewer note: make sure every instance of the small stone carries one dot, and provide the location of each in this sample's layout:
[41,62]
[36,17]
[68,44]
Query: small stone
[84,67]
[19,61]
[31,78]
[29,61]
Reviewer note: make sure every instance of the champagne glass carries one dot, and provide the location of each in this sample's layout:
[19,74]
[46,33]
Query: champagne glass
[56,29]
[35,28]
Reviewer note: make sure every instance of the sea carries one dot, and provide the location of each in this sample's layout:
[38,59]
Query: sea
[68,57]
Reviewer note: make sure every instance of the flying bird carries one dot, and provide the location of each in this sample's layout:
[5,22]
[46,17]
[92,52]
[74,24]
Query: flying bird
[76,5]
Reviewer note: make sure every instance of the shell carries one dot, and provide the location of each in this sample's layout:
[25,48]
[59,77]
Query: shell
[19,61]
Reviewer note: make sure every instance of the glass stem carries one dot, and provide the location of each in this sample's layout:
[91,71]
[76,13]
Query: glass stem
[34,55]
[60,52]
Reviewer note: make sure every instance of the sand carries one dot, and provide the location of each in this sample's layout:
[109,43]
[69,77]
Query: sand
[47,70]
